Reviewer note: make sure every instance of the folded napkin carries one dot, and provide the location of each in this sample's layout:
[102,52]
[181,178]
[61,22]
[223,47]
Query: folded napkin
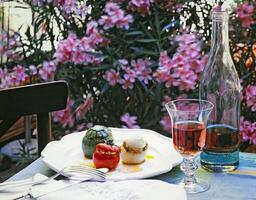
[124,190]
[16,192]
[50,186]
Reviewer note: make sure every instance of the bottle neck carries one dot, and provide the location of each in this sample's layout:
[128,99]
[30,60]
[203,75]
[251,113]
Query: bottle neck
[220,36]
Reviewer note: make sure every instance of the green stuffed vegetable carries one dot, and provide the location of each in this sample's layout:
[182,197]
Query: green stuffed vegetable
[95,135]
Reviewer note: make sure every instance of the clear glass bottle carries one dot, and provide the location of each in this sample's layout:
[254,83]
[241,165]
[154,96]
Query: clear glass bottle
[220,84]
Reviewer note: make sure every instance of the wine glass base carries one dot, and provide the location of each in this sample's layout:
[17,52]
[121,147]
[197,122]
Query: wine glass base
[198,187]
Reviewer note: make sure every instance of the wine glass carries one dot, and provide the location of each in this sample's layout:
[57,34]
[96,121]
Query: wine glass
[189,121]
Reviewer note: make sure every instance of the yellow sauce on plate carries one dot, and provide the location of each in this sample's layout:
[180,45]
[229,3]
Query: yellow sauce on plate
[149,157]
[132,168]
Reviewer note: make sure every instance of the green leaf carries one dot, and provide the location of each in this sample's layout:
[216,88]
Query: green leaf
[146,30]
[146,89]
[246,76]
[96,54]
[146,40]
[134,33]
[105,88]
[27,33]
[140,51]
[101,67]
[157,22]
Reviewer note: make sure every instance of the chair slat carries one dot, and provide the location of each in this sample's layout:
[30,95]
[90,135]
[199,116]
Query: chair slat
[31,99]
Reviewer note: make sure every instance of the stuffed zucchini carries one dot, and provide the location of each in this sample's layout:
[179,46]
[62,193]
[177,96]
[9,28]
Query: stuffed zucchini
[95,135]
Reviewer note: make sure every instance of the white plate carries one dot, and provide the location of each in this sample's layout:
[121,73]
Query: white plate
[161,155]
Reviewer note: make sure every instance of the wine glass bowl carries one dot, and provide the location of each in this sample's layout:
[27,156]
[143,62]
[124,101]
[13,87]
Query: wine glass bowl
[189,121]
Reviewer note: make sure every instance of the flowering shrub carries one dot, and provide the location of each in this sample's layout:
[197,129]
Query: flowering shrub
[124,59]
[245,13]
[184,69]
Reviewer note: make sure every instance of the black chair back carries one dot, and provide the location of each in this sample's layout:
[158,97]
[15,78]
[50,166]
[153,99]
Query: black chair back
[39,99]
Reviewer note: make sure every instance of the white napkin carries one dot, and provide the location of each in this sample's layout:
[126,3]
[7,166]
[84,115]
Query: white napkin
[124,190]
[16,192]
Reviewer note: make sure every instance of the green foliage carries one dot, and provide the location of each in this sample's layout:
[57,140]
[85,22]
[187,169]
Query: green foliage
[25,154]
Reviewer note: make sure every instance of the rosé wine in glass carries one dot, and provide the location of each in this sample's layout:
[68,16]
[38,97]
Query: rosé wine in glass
[189,119]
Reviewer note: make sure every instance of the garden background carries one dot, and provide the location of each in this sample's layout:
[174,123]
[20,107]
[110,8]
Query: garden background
[124,59]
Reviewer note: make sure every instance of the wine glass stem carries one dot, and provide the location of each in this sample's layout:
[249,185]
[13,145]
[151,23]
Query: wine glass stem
[189,168]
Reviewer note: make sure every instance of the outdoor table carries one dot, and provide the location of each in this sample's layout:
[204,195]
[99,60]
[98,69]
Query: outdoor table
[237,185]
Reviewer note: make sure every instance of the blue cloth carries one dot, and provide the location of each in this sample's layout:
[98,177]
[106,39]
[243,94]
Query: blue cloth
[237,185]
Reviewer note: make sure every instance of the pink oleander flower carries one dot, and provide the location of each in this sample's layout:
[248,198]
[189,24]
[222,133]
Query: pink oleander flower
[112,8]
[145,75]
[166,123]
[184,79]
[197,65]
[19,75]
[89,125]
[190,50]
[9,44]
[38,2]
[130,74]
[245,13]
[91,27]
[161,75]
[83,126]
[5,78]
[16,77]
[140,64]
[250,97]
[138,70]
[83,108]
[166,99]
[32,70]
[248,130]
[112,77]
[128,79]
[142,70]
[190,107]
[65,117]
[77,50]
[186,38]
[123,62]
[65,48]
[67,7]
[184,68]
[81,9]
[115,17]
[129,121]
[126,82]
[47,72]
[94,34]
[141,6]
[189,46]
[165,62]
[169,80]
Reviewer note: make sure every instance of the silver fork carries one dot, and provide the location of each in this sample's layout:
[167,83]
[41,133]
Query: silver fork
[72,172]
